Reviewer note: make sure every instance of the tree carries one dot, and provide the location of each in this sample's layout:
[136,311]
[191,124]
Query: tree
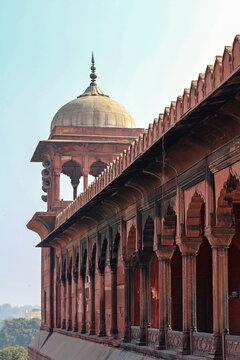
[18,332]
[13,353]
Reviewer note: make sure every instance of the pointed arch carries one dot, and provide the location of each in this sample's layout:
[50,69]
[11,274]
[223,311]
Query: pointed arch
[193,221]
[131,241]
[148,234]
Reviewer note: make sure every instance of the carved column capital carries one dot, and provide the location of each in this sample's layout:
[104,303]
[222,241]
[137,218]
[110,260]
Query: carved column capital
[165,252]
[219,236]
[189,245]
[57,172]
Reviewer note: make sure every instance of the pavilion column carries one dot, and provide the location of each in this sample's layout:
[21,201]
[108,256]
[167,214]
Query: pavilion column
[126,336]
[164,254]
[75,278]
[57,173]
[220,239]
[114,329]
[102,329]
[92,293]
[75,183]
[83,323]
[144,258]
[69,278]
[85,178]
[189,248]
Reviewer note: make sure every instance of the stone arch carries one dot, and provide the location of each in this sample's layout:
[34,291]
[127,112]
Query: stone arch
[135,289]
[83,264]
[114,251]
[131,241]
[169,226]
[74,171]
[102,257]
[76,263]
[69,277]
[92,261]
[58,294]
[193,221]
[92,266]
[176,290]
[101,267]
[63,279]
[227,199]
[228,216]
[97,167]
[204,290]
[148,234]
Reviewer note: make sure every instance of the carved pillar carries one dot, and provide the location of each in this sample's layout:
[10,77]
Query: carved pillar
[92,293]
[113,329]
[75,183]
[83,324]
[126,336]
[85,178]
[69,278]
[102,329]
[85,182]
[220,239]
[57,173]
[144,258]
[189,248]
[164,254]
[75,278]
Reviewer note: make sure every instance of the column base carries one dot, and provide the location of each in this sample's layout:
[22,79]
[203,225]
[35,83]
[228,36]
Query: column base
[75,328]
[161,339]
[185,348]
[113,332]
[126,335]
[142,340]
[69,328]
[83,330]
[216,351]
[92,332]
[102,331]
[64,324]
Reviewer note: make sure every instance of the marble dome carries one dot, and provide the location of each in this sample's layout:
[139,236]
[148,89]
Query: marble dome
[93,108]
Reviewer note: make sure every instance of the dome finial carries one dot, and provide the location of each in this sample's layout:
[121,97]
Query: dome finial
[93,75]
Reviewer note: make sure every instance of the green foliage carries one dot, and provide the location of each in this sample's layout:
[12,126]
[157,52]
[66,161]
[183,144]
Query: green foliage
[18,332]
[13,353]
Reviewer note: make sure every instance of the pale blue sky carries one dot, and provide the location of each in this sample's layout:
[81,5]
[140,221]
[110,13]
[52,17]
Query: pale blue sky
[146,53]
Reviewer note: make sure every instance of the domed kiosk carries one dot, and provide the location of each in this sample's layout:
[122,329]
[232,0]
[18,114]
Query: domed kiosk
[93,108]
[87,134]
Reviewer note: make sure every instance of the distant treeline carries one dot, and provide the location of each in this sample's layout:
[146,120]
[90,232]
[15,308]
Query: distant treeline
[7,311]
[18,332]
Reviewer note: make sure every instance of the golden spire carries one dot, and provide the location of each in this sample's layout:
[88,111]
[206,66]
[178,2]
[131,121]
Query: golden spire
[93,75]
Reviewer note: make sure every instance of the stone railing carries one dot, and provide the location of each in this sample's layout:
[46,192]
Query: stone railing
[175,339]
[203,343]
[153,337]
[135,333]
[199,90]
[232,347]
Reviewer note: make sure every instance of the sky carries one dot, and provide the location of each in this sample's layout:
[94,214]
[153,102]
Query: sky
[146,53]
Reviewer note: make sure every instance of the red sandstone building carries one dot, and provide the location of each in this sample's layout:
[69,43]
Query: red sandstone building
[145,262]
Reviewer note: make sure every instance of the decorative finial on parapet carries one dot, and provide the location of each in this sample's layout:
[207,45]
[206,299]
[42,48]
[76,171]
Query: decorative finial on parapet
[93,75]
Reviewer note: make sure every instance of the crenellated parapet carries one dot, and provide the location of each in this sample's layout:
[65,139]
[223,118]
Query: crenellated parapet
[200,89]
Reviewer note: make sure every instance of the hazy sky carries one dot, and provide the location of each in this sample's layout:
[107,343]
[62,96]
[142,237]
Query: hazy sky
[146,53]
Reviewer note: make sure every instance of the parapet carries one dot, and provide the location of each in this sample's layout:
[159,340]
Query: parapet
[207,83]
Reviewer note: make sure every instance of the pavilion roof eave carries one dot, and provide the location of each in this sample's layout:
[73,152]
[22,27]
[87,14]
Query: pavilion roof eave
[214,100]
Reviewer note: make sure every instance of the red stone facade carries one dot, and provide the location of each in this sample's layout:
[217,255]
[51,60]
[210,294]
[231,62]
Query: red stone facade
[146,259]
